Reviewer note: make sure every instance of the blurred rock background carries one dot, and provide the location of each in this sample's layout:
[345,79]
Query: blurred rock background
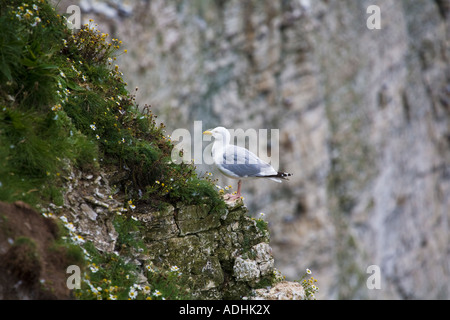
[364,120]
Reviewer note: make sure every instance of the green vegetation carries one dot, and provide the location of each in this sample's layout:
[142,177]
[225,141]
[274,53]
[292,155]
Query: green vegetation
[63,102]
[309,285]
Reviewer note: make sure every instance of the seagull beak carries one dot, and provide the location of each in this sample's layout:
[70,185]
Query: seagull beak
[207,132]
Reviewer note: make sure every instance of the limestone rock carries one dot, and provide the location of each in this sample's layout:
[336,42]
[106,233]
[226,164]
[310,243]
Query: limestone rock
[281,291]
[194,219]
[209,248]
[246,269]
[91,214]
[159,224]
[259,263]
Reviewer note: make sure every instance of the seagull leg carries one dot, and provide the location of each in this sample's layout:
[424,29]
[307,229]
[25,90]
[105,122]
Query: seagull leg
[239,189]
[237,195]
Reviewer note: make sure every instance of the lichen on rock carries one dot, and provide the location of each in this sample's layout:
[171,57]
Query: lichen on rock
[209,248]
[284,290]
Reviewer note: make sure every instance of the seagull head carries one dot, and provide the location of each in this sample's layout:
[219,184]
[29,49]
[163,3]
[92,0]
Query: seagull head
[219,134]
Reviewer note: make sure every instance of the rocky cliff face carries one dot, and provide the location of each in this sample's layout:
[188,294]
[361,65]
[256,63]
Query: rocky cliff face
[223,256]
[363,118]
[219,256]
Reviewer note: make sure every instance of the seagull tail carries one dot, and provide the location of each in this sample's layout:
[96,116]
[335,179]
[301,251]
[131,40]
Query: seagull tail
[282,175]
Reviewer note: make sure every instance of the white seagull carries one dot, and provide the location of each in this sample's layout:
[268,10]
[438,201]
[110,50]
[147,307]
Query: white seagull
[239,163]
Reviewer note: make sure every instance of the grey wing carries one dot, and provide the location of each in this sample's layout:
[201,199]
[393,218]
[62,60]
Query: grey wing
[243,163]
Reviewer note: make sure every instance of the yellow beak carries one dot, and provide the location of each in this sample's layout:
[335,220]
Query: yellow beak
[209,133]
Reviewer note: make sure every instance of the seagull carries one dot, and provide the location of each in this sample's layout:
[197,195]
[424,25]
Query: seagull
[239,163]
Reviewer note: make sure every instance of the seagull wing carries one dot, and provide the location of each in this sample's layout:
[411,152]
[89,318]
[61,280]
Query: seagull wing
[238,162]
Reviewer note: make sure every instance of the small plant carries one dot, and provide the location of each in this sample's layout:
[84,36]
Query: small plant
[91,45]
[167,284]
[129,231]
[309,285]
[261,224]
[108,276]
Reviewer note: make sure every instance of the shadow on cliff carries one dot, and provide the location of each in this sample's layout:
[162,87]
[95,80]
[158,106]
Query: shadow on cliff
[32,263]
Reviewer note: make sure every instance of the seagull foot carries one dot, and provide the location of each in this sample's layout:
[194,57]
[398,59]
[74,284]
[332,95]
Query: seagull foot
[232,197]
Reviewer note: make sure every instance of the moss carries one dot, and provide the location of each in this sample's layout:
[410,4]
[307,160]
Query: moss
[196,218]
[74,255]
[129,231]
